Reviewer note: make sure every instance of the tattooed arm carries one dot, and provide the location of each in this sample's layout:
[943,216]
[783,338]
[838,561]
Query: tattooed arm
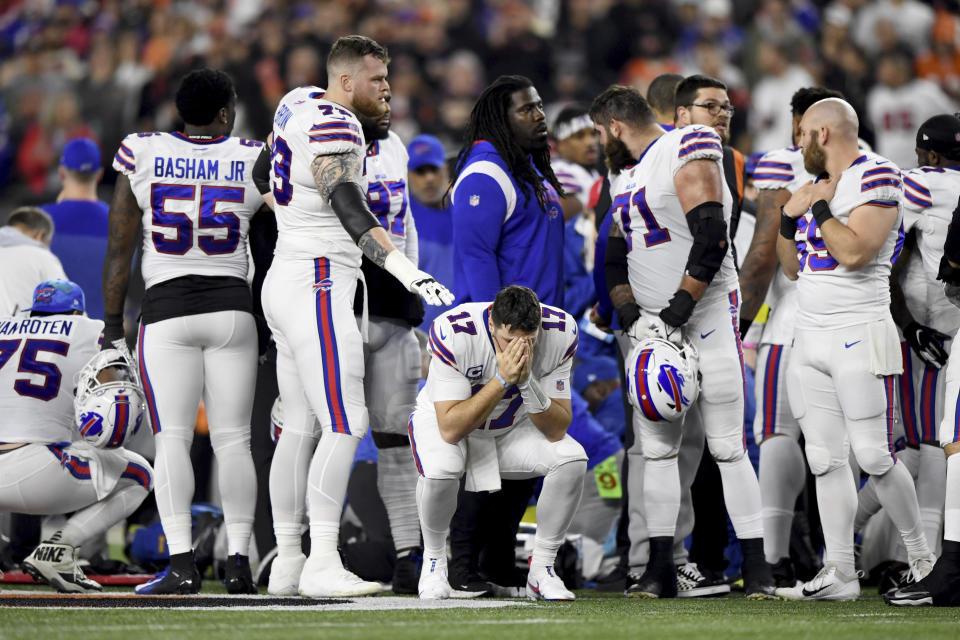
[337,177]
[123,222]
[761,262]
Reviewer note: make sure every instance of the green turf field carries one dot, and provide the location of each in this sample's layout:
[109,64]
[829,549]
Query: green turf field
[592,616]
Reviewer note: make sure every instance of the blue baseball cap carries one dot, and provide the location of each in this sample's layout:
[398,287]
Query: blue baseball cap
[81,154]
[593,369]
[58,296]
[425,150]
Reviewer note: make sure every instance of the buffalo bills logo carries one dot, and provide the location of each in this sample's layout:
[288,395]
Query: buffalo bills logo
[91,424]
[45,294]
[324,285]
[553,212]
[671,381]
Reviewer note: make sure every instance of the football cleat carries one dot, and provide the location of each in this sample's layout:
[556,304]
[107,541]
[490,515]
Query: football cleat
[171,581]
[285,575]
[334,582]
[433,584]
[692,584]
[406,572]
[920,568]
[655,583]
[56,565]
[783,573]
[912,595]
[544,584]
[829,584]
[237,577]
[467,584]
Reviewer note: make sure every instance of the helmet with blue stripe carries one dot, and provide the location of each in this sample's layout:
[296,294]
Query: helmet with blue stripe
[663,380]
[109,407]
[58,296]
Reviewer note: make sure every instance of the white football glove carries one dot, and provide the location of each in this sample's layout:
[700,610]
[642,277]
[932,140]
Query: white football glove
[649,325]
[432,292]
[416,281]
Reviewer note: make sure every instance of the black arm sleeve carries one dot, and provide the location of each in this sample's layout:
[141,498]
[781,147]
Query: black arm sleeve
[616,273]
[710,243]
[951,248]
[261,171]
[349,202]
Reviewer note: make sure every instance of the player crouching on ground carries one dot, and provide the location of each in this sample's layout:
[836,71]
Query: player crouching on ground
[58,455]
[497,405]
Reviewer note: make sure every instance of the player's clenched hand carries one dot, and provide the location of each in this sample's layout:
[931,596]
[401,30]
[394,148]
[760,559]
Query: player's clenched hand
[799,203]
[927,343]
[511,360]
[432,292]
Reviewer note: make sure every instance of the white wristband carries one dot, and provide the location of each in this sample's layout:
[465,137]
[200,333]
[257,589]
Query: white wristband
[400,267]
[533,396]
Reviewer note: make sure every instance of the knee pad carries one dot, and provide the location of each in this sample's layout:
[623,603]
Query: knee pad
[659,448]
[727,448]
[222,437]
[821,460]
[875,460]
[567,451]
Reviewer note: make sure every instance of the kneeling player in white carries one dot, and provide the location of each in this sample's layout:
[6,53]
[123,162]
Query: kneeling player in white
[497,404]
[55,457]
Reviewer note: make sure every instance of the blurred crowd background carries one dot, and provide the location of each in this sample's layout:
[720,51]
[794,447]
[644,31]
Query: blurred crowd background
[104,68]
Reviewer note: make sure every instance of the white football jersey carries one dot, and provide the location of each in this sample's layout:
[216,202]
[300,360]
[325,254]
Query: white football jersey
[385,173]
[464,359]
[781,169]
[646,208]
[306,126]
[930,196]
[830,295]
[576,179]
[39,361]
[197,198]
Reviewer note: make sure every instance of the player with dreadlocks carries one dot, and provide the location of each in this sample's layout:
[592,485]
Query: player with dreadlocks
[507,229]
[507,216]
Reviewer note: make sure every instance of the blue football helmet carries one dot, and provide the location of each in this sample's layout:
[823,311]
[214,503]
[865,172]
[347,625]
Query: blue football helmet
[58,296]
[663,380]
[109,407]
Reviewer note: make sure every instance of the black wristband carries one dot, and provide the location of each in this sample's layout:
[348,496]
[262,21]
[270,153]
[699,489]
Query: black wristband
[679,310]
[821,212]
[788,225]
[627,314]
[112,329]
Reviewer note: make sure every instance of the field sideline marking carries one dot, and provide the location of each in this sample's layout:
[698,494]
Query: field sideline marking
[271,625]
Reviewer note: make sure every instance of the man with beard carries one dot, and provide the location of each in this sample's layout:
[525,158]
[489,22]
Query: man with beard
[325,225]
[391,352]
[507,229]
[839,236]
[671,276]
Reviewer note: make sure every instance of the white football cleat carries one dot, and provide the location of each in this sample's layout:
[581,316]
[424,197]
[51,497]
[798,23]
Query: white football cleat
[333,582]
[921,567]
[829,584]
[56,564]
[543,584]
[433,579]
[285,575]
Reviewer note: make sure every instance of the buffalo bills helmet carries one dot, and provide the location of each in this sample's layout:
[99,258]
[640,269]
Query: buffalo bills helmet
[663,380]
[109,405]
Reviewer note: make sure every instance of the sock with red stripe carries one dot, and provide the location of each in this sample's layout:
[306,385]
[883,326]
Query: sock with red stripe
[932,491]
[782,476]
[100,516]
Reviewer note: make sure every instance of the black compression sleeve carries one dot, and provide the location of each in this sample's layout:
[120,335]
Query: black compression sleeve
[349,202]
[261,171]
[709,246]
[615,263]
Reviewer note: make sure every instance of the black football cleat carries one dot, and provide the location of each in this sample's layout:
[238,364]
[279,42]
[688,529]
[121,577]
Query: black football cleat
[237,577]
[656,582]
[406,572]
[757,575]
[179,578]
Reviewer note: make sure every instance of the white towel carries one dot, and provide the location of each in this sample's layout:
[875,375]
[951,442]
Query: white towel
[105,466]
[482,466]
[886,356]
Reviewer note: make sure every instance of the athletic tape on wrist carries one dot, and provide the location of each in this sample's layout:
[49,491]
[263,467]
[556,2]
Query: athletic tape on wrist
[534,397]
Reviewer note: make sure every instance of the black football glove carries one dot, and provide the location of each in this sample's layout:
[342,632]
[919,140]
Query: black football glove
[927,343]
